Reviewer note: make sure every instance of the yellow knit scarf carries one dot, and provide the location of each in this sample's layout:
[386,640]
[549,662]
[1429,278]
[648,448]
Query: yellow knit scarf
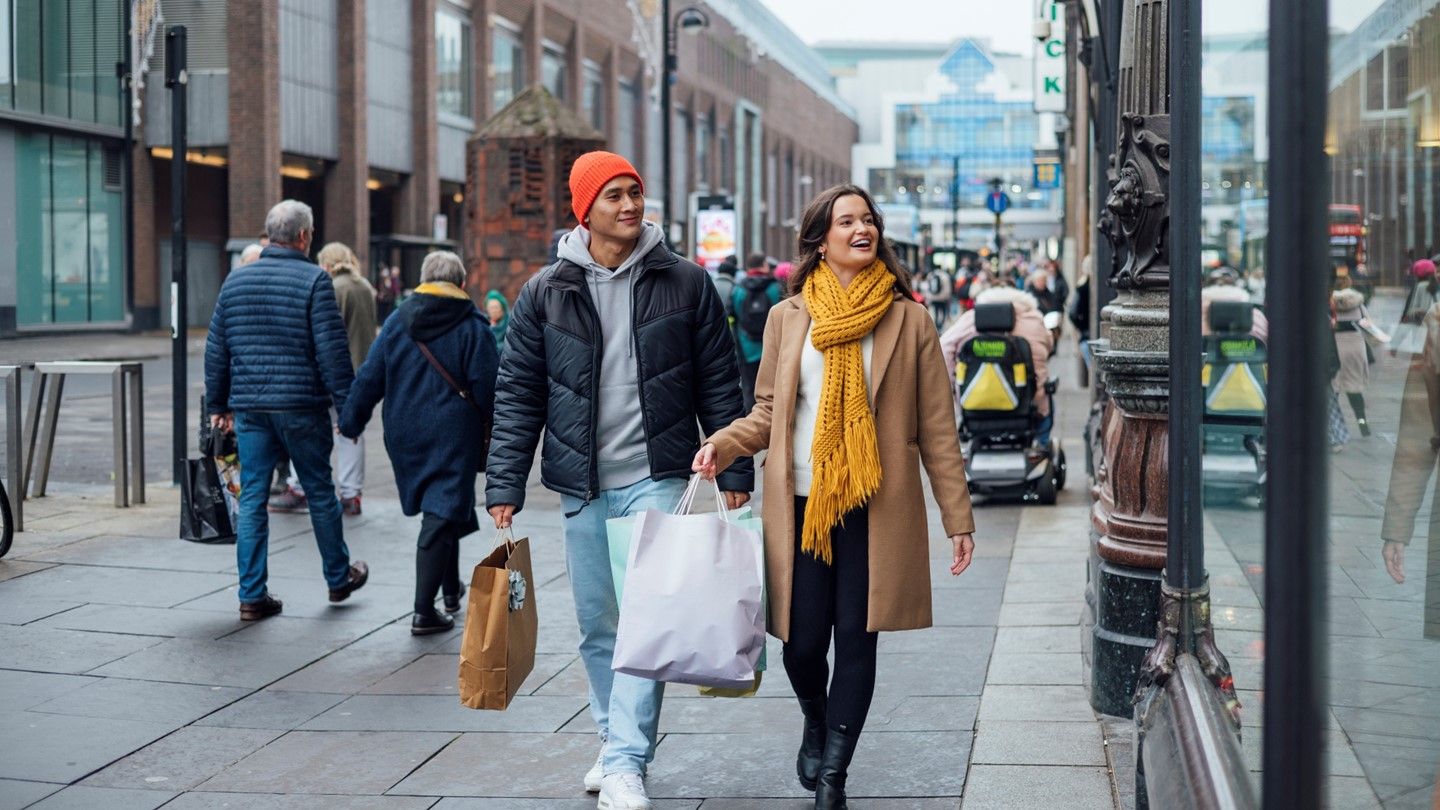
[845,457]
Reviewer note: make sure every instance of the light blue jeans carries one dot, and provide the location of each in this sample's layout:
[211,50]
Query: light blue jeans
[626,708]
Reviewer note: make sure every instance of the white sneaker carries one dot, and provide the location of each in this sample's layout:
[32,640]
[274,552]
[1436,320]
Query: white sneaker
[596,774]
[623,791]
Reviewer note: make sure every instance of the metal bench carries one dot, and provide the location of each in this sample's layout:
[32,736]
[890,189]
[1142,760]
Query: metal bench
[15,449]
[127,394]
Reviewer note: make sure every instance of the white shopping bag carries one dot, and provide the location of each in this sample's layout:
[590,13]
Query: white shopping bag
[692,610]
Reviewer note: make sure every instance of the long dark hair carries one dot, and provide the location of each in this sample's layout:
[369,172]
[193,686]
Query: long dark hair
[815,225]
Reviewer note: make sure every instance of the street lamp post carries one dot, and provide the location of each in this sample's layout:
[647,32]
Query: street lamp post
[690,20]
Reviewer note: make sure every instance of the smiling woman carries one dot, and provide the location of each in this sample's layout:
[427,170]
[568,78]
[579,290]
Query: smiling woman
[846,540]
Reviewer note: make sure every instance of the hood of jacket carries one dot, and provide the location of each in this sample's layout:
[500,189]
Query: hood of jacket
[574,247]
[435,309]
[1347,300]
[1022,301]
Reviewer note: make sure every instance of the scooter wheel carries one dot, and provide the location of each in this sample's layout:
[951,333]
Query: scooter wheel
[1045,490]
[1060,468]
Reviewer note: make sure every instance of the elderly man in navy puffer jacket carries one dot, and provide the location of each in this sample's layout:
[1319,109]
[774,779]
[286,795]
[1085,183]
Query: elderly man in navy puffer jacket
[277,359]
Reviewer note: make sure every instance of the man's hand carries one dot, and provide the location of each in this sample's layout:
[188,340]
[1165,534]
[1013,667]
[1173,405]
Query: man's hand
[704,463]
[964,553]
[223,421]
[735,500]
[1394,554]
[504,515]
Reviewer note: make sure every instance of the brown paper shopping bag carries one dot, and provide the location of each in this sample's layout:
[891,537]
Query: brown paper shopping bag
[497,651]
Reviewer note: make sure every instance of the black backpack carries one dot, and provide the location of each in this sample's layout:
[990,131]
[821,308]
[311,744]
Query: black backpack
[755,306]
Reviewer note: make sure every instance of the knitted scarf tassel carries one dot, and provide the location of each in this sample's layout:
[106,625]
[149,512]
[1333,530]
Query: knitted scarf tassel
[845,456]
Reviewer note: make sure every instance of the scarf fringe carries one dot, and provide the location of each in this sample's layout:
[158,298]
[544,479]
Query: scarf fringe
[855,469]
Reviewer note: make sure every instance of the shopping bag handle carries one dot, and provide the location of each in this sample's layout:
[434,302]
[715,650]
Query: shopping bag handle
[687,500]
[506,535]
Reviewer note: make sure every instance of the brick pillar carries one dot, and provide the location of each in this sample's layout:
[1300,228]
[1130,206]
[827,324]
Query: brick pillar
[146,304]
[253,29]
[347,200]
[420,196]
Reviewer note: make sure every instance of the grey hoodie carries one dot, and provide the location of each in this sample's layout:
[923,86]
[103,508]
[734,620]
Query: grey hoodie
[623,457]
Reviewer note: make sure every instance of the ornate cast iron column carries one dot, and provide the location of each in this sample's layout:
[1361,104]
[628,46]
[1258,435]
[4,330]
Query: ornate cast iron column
[1128,520]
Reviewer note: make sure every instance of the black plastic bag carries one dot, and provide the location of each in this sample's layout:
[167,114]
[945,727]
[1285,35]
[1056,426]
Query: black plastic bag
[204,516]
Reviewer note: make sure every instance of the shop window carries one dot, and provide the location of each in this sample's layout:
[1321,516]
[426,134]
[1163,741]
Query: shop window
[507,66]
[594,96]
[625,120]
[72,269]
[454,77]
[552,69]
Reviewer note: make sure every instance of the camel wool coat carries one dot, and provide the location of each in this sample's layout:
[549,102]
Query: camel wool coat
[914,420]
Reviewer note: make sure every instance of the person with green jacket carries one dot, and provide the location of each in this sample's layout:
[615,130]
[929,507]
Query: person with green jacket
[497,313]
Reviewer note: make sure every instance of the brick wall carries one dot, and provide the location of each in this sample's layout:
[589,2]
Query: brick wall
[347,199]
[254,62]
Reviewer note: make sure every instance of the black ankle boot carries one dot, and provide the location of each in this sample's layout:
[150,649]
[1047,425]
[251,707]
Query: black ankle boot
[830,784]
[812,743]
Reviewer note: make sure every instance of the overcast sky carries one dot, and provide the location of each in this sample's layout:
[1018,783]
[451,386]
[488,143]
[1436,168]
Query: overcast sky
[1005,22]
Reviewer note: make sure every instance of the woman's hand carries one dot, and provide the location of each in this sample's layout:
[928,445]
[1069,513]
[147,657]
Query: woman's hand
[704,462]
[964,552]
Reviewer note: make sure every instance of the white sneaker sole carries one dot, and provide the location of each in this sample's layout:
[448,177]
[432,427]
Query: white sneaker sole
[606,804]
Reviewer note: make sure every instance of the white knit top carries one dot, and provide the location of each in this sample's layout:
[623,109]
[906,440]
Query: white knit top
[807,403]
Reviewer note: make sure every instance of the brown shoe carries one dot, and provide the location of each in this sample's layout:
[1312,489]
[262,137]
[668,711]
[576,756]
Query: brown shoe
[266,607]
[359,573]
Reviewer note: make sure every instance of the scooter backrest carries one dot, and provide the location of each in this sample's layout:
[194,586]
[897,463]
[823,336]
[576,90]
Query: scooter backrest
[1231,317]
[995,318]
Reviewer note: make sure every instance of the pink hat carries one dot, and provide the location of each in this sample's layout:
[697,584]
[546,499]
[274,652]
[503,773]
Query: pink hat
[782,270]
[1423,268]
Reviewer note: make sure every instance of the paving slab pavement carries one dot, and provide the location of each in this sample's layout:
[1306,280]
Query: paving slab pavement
[131,682]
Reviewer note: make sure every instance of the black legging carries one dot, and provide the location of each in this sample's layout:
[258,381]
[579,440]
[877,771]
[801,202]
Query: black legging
[437,560]
[833,598]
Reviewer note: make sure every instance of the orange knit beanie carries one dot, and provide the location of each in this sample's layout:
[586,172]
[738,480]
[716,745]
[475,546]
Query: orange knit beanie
[589,175]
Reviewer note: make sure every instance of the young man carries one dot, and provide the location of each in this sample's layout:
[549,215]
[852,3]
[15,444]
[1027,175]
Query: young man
[751,301]
[276,361]
[620,352]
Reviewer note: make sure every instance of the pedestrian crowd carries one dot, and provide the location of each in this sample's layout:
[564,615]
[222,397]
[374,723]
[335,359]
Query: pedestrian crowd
[619,362]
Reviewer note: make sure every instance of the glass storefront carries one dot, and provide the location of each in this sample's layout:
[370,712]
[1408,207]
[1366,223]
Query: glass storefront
[69,210]
[1381,624]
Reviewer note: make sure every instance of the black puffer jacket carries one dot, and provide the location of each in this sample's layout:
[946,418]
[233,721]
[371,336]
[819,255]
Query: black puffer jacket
[689,379]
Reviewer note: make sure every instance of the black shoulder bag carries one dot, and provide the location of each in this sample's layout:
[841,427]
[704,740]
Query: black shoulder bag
[465,394]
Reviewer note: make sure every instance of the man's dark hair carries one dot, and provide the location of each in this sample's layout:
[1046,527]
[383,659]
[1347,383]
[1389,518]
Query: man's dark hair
[754,261]
[727,268]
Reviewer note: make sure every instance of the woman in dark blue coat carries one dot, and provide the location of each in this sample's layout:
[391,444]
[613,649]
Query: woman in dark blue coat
[435,438]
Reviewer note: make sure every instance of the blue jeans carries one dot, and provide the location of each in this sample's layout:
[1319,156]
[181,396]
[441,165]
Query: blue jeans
[1042,430]
[307,437]
[625,708]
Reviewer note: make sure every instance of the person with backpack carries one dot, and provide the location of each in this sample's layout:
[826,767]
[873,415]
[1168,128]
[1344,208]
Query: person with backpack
[938,288]
[751,302]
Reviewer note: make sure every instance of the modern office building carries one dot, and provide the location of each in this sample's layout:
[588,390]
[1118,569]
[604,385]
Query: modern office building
[62,180]
[362,109]
[927,109]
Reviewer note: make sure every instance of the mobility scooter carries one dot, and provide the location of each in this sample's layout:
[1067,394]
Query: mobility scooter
[1234,381]
[999,425]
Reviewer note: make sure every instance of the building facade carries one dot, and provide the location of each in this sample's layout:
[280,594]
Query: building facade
[362,109]
[926,110]
[62,185]
[1383,133]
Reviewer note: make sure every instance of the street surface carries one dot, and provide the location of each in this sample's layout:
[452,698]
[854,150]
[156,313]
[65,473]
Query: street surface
[128,681]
